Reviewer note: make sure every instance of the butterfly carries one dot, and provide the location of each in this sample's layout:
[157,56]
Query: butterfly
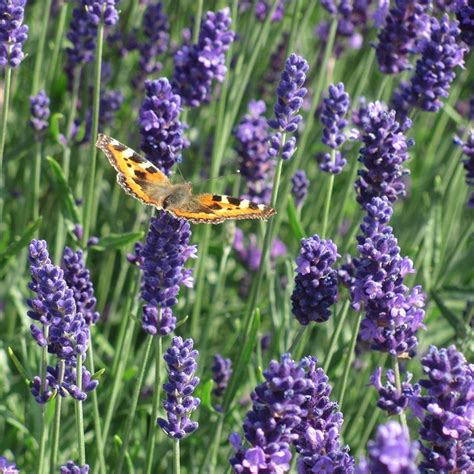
[143,180]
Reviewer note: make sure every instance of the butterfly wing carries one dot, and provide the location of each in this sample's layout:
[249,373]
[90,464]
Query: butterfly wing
[216,208]
[137,176]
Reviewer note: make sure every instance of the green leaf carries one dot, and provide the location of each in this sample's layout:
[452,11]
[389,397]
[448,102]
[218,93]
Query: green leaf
[117,241]
[19,366]
[455,321]
[295,222]
[20,242]
[54,126]
[63,192]
[98,375]
[204,393]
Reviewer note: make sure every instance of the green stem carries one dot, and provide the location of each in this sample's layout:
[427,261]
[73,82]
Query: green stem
[327,204]
[335,335]
[95,406]
[398,384]
[44,430]
[133,407]
[94,132]
[197,21]
[176,460]
[347,366]
[369,428]
[3,129]
[58,41]
[57,421]
[80,415]
[214,448]
[45,9]
[297,339]
[36,182]
[156,402]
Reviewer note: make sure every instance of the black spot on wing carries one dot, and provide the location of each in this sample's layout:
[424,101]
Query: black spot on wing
[253,206]
[215,207]
[216,197]
[233,201]
[119,146]
[137,158]
[140,174]
[152,170]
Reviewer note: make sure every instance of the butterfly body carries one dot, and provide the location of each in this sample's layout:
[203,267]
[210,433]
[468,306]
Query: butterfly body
[144,181]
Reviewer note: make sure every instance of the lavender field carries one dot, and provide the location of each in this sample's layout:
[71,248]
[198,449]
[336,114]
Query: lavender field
[309,308]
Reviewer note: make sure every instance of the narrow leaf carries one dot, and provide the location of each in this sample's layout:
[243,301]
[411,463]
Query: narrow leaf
[117,241]
[21,242]
[293,219]
[54,126]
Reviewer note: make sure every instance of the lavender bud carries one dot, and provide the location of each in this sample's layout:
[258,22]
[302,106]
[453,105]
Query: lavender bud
[13,33]
[299,187]
[39,110]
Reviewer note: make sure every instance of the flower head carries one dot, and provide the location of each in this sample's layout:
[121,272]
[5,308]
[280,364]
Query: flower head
[221,372]
[405,24]
[446,411]
[160,127]
[13,32]
[393,313]
[385,149]
[198,65]
[316,280]
[71,468]
[440,55]
[77,277]
[180,403]
[465,16]
[299,187]
[7,467]
[255,165]
[330,165]
[391,452]
[39,110]
[263,8]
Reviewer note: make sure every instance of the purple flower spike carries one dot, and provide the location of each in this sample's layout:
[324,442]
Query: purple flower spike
[405,24]
[198,65]
[290,94]
[255,165]
[7,467]
[446,411]
[13,32]
[392,400]
[316,281]
[164,326]
[163,257]
[221,372]
[263,8]
[393,313]
[160,127]
[327,164]
[391,452]
[468,149]
[71,468]
[385,149]
[335,107]
[440,55]
[465,15]
[78,278]
[299,187]
[180,403]
[39,110]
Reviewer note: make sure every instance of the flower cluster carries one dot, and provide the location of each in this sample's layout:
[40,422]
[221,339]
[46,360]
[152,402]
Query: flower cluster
[299,187]
[72,468]
[468,149]
[162,260]
[385,149]
[390,452]
[335,107]
[316,280]
[291,406]
[446,411]
[7,467]
[198,65]
[160,127]
[263,8]
[221,372]
[393,314]
[155,28]
[180,403]
[39,110]
[392,400]
[405,24]
[64,330]
[465,16]
[255,165]
[440,55]
[13,32]
[83,31]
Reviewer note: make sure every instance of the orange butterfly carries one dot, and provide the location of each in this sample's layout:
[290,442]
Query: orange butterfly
[144,181]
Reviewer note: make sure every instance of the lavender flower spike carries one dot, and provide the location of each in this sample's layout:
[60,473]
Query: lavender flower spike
[180,403]
[290,95]
[71,468]
[299,188]
[446,411]
[39,110]
[335,107]
[198,65]
[391,452]
[468,149]
[13,32]
[160,127]
[316,280]
[393,313]
[465,15]
[221,372]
